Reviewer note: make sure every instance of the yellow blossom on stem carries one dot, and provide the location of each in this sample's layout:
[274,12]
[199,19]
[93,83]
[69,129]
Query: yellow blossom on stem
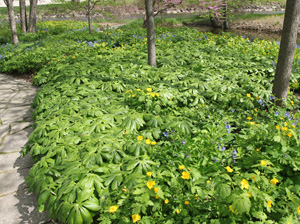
[244,184]
[185,175]
[148,141]
[186,202]
[153,94]
[166,201]
[153,143]
[249,194]
[150,184]
[284,128]
[156,196]
[156,189]
[274,181]
[140,137]
[253,177]
[113,208]
[249,118]
[263,162]
[157,94]
[135,218]
[277,127]
[257,150]
[177,211]
[270,204]
[138,90]
[290,134]
[149,89]
[149,174]
[231,209]
[248,95]
[228,168]
[181,167]
[298,210]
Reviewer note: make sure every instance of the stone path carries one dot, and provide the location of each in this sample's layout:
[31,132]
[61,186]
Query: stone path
[17,205]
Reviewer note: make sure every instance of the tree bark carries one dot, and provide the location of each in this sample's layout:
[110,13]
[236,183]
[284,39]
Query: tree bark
[12,21]
[150,32]
[286,51]
[90,16]
[32,16]
[23,16]
[225,22]
[76,1]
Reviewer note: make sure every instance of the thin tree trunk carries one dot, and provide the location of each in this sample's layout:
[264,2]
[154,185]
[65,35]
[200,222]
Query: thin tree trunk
[90,16]
[32,16]
[23,16]
[225,22]
[150,32]
[12,21]
[286,52]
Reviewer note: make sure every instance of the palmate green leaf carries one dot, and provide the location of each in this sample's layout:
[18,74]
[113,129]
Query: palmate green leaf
[92,204]
[224,190]
[242,203]
[133,122]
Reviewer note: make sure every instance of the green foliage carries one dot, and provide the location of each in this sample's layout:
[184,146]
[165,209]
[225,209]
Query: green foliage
[195,140]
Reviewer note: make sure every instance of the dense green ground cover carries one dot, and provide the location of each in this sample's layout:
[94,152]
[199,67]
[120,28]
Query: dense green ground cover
[195,140]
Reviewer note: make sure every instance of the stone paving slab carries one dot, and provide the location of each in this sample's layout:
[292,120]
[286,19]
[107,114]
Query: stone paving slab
[17,205]
[21,207]
[11,161]
[15,142]
[10,181]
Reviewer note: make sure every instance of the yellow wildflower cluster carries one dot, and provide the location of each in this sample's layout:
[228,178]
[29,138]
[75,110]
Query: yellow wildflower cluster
[244,184]
[150,184]
[135,218]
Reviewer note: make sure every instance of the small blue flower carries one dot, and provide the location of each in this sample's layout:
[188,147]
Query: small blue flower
[183,142]
[232,110]
[234,161]
[175,154]
[166,134]
[276,113]
[272,98]
[223,148]
[234,152]
[290,118]
[234,156]
[286,114]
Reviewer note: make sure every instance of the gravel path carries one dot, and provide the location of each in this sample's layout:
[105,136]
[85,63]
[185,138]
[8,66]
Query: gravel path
[17,205]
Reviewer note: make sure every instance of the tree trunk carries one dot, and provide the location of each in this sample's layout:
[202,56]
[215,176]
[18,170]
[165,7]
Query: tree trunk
[23,16]
[12,21]
[32,16]
[89,14]
[150,32]
[225,22]
[286,52]
[214,22]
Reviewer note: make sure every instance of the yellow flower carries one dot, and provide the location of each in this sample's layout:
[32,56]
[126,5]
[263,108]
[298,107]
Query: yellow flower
[255,110]
[277,127]
[135,218]
[181,167]
[298,210]
[177,211]
[244,184]
[270,204]
[203,105]
[248,95]
[252,123]
[153,94]
[208,181]
[281,118]
[186,202]
[274,181]
[157,94]
[148,141]
[150,184]
[138,90]
[231,209]
[185,175]
[74,56]
[249,194]
[133,95]
[153,143]
[149,174]
[263,162]
[293,126]
[156,196]
[149,89]
[253,177]
[257,150]
[257,98]
[166,201]
[249,118]
[113,208]
[292,102]
[284,128]
[290,134]
[228,168]
[140,137]
[156,189]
